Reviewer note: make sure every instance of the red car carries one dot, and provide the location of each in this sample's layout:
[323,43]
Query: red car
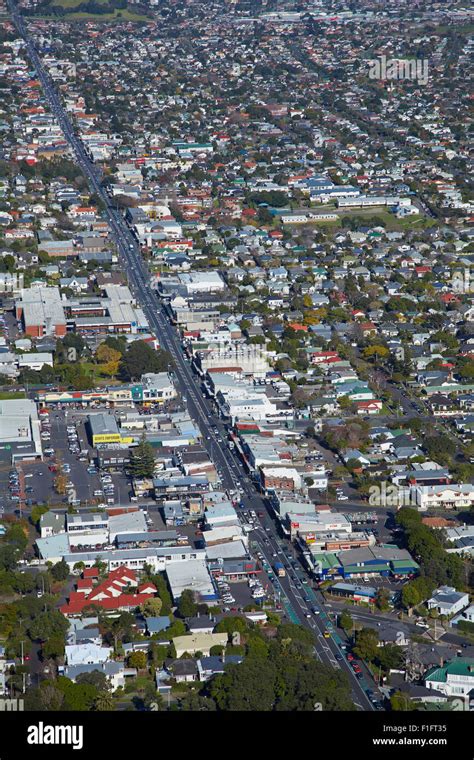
[356,668]
[350,657]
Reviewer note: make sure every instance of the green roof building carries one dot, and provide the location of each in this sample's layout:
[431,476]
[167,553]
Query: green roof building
[455,678]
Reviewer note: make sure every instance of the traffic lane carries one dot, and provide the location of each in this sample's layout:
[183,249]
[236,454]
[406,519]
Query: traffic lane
[297,596]
[329,653]
[326,648]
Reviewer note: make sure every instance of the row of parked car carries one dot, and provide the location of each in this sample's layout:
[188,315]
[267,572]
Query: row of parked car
[224,590]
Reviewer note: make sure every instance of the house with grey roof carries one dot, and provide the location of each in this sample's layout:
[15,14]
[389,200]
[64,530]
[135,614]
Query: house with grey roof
[52,523]
[447,601]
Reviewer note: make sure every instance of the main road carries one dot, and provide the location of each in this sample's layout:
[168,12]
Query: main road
[228,465]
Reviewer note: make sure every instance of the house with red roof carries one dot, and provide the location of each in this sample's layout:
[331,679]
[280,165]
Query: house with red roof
[90,572]
[117,592]
[324,357]
[369,407]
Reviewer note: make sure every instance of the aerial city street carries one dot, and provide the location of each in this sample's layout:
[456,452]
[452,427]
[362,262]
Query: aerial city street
[236,356]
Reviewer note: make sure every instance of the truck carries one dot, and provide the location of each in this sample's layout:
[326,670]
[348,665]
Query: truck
[279,569]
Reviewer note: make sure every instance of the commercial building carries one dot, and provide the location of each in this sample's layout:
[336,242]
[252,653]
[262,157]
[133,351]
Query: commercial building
[41,312]
[247,360]
[280,478]
[159,558]
[366,594]
[103,429]
[385,560]
[153,388]
[20,430]
[88,530]
[192,574]
[310,525]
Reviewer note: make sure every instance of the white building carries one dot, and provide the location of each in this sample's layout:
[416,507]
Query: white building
[447,601]
[320,523]
[87,653]
[202,282]
[455,678]
[256,408]
[192,575]
[450,496]
[35,361]
[249,360]
[86,530]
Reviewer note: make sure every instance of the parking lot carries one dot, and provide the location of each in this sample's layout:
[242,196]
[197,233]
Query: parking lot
[66,447]
[239,593]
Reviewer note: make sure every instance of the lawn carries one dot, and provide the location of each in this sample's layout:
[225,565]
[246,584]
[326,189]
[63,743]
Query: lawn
[123,15]
[70,3]
[71,15]
[391,222]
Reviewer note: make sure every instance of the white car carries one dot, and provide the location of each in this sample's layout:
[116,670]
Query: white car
[342,497]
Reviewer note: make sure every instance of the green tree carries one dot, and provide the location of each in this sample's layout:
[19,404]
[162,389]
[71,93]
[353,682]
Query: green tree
[53,647]
[389,657]
[48,625]
[95,678]
[366,644]
[187,606]
[158,654]
[16,537]
[410,596]
[79,697]
[140,358]
[103,702]
[346,621]
[142,460]
[163,593]
[60,571]
[232,624]
[152,607]
[382,599]
[36,513]
[137,660]
[439,445]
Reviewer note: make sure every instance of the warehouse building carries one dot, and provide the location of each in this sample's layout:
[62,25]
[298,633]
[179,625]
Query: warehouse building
[41,312]
[192,575]
[19,430]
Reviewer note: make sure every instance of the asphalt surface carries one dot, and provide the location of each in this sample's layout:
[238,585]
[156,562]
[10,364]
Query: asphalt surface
[232,475]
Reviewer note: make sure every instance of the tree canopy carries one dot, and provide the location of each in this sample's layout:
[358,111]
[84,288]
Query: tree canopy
[140,358]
